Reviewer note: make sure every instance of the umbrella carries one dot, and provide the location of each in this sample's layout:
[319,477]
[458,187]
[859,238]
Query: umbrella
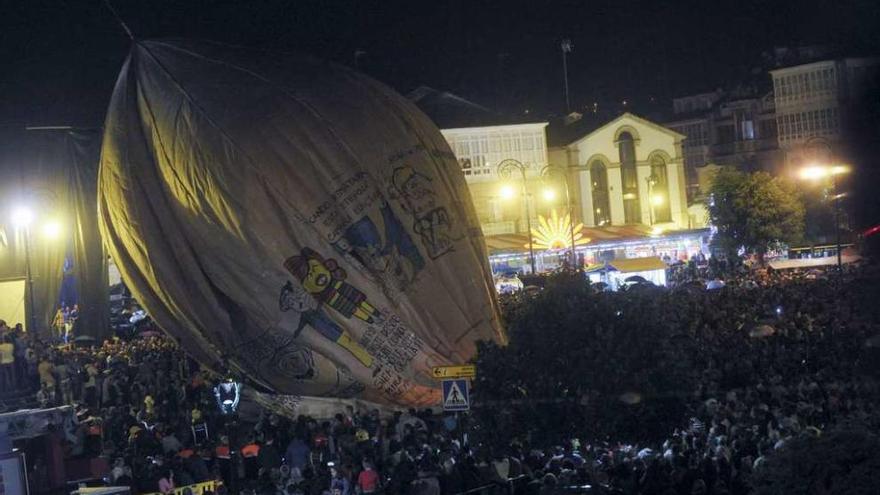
[630,398]
[150,333]
[84,339]
[761,331]
[636,279]
[715,284]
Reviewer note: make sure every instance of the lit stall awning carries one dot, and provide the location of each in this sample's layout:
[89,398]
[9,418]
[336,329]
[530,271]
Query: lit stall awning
[638,264]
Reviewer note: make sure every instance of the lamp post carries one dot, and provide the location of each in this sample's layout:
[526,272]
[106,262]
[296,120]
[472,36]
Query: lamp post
[21,219]
[505,170]
[829,173]
[549,171]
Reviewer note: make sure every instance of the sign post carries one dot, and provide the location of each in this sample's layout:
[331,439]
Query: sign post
[460,371]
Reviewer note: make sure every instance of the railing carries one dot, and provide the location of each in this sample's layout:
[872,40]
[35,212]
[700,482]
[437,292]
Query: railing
[498,228]
[513,486]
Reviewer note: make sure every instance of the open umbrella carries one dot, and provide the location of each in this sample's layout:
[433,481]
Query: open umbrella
[636,279]
[761,331]
[84,339]
[715,284]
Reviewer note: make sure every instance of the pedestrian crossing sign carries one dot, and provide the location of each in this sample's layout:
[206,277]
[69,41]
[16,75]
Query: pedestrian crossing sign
[456,395]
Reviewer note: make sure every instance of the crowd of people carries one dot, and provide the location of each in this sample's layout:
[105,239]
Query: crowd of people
[718,381]
[740,371]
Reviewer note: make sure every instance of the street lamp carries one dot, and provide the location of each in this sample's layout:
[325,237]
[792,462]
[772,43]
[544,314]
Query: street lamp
[818,172]
[22,218]
[505,170]
[551,170]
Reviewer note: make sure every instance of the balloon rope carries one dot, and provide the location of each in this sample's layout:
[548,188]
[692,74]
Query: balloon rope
[119,19]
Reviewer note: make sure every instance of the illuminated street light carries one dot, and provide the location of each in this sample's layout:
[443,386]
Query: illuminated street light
[22,216]
[657,199]
[505,170]
[549,194]
[507,192]
[52,230]
[817,172]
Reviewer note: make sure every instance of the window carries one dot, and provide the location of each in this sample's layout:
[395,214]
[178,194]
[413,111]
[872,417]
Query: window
[725,134]
[659,194]
[748,129]
[629,178]
[601,204]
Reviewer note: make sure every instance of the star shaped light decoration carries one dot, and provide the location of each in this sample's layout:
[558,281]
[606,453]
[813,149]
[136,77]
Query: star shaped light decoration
[556,232]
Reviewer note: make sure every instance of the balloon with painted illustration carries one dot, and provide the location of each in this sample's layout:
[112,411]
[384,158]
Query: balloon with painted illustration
[294,220]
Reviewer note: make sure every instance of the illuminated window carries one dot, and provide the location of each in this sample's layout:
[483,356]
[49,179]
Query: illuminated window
[601,208]
[632,212]
[660,191]
[748,129]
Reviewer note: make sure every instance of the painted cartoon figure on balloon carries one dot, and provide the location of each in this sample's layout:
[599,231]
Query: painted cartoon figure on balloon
[393,256]
[433,223]
[297,299]
[325,281]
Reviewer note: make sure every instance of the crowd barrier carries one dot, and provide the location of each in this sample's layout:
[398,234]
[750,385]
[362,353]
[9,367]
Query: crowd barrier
[197,489]
[513,486]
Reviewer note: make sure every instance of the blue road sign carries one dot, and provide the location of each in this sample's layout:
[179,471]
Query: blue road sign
[456,395]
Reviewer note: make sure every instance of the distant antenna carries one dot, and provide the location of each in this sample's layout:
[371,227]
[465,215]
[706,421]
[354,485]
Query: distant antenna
[119,19]
[566,49]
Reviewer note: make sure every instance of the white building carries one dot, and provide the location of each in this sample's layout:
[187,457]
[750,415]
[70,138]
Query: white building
[480,150]
[629,171]
[813,102]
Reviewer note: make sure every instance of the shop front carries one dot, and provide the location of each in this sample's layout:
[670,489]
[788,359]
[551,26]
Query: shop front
[509,253]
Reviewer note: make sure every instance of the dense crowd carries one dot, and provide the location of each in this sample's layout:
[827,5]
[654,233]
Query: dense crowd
[732,374]
[689,395]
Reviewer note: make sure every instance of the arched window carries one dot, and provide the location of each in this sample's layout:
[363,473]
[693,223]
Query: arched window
[632,212]
[601,204]
[659,191]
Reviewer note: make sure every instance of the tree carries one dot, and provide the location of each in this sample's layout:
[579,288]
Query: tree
[754,210]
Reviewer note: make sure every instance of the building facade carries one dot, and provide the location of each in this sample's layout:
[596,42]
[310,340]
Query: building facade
[629,171]
[726,129]
[504,204]
[813,105]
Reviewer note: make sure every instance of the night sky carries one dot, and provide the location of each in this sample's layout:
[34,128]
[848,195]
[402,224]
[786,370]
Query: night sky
[60,58]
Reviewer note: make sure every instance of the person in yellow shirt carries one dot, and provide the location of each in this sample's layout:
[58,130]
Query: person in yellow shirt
[7,363]
[58,323]
[45,370]
[150,405]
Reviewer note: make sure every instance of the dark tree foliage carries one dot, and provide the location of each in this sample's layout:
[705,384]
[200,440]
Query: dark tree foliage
[754,210]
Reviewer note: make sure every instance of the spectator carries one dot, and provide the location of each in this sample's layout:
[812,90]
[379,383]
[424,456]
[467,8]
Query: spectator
[368,480]
[7,363]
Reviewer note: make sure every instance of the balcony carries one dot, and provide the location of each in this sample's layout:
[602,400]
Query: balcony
[498,228]
[747,146]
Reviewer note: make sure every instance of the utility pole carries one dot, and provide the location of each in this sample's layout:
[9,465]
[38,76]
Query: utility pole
[566,49]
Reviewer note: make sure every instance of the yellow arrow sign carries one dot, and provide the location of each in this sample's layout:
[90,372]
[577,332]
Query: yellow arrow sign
[461,371]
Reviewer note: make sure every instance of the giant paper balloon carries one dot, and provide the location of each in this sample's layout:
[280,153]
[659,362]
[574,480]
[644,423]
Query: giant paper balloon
[292,219]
